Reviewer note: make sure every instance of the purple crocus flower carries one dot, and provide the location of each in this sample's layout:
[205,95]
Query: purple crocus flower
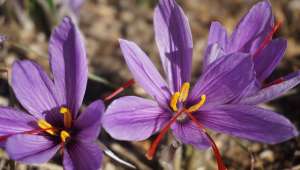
[3,38]
[253,34]
[54,122]
[74,5]
[175,106]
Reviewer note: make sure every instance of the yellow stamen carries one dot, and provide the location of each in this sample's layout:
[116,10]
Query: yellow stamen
[45,125]
[67,116]
[64,135]
[198,105]
[174,100]
[184,92]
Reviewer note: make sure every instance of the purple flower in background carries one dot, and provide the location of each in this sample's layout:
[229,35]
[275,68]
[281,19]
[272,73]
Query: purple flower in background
[184,111]
[3,38]
[253,34]
[74,5]
[54,122]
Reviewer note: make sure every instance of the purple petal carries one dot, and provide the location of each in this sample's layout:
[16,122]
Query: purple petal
[89,122]
[3,38]
[31,148]
[249,122]
[224,79]
[80,155]
[134,118]
[69,65]
[273,91]
[212,53]
[266,61]
[188,133]
[217,34]
[253,23]
[174,40]
[14,121]
[32,87]
[144,72]
[75,5]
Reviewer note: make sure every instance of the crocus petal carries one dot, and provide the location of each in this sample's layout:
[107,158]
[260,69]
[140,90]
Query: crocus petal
[224,79]
[144,72]
[217,40]
[32,87]
[89,122]
[174,40]
[217,34]
[188,133]
[134,118]
[266,61]
[75,5]
[273,91]
[69,65]
[31,148]
[248,122]
[212,53]
[81,155]
[253,23]
[14,121]
[3,38]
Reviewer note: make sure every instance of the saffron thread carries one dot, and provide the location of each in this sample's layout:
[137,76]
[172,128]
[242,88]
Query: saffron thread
[164,130]
[277,81]
[31,132]
[119,90]
[268,38]
[216,151]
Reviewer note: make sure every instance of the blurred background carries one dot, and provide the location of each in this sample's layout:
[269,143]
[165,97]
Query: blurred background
[28,23]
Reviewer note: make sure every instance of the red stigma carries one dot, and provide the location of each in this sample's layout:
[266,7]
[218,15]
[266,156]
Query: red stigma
[167,126]
[3,138]
[119,90]
[164,130]
[277,81]
[62,148]
[216,151]
[30,132]
[268,38]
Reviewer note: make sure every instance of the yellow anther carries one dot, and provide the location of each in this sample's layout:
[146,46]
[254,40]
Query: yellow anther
[43,124]
[64,110]
[67,116]
[174,100]
[64,135]
[184,91]
[198,105]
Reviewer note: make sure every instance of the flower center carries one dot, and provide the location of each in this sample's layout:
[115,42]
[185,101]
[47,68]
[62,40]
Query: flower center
[177,104]
[179,98]
[64,135]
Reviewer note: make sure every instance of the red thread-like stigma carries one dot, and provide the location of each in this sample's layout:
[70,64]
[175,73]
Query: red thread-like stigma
[119,90]
[62,148]
[268,38]
[164,130]
[30,132]
[216,151]
[167,126]
[277,81]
